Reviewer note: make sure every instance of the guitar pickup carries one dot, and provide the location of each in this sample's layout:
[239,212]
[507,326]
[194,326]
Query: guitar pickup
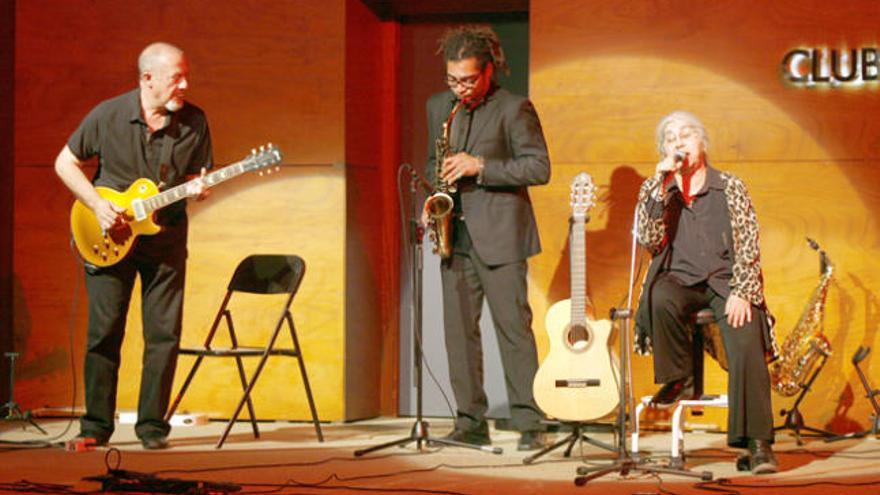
[578,383]
[137,207]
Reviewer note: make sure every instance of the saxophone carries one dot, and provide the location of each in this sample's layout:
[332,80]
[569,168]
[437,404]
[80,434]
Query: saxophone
[440,204]
[805,344]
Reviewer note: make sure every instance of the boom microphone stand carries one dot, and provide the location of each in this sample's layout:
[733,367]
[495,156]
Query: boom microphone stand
[625,463]
[419,433]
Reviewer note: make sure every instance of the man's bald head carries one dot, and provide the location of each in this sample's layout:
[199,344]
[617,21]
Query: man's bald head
[163,77]
[156,55]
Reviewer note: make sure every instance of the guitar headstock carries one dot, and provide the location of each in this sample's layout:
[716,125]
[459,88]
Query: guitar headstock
[583,194]
[262,158]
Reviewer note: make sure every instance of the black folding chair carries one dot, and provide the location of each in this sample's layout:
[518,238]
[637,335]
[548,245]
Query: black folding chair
[256,274]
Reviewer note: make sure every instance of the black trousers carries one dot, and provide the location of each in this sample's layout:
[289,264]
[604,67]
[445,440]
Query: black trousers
[750,412]
[466,281]
[161,263]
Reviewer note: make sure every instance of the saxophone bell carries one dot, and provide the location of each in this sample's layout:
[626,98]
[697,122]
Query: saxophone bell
[439,205]
[439,208]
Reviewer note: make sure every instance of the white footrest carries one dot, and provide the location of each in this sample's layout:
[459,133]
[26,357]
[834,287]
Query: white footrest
[677,444]
[678,420]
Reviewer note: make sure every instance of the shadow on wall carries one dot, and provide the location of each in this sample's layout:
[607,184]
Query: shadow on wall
[55,358]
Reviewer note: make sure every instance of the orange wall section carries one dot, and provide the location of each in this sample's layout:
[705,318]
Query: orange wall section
[603,74]
[372,218]
[262,71]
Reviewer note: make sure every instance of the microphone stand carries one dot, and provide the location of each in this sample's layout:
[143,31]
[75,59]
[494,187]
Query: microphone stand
[625,463]
[419,432]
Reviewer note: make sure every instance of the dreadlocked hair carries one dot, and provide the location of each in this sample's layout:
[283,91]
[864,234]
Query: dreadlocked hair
[473,41]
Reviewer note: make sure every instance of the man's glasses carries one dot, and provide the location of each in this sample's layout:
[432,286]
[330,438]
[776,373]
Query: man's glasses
[467,82]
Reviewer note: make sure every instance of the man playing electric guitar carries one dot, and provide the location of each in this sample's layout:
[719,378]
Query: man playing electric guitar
[149,132]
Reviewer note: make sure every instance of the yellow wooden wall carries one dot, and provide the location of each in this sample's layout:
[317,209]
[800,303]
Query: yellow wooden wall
[604,73]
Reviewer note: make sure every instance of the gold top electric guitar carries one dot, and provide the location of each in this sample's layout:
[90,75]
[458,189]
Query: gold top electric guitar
[577,380]
[140,201]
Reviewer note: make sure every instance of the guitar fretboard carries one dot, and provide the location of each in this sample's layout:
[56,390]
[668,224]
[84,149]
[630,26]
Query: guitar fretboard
[179,192]
[578,271]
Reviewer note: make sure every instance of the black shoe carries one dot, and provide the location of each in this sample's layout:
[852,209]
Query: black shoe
[672,392]
[155,442]
[763,460]
[531,440]
[478,436]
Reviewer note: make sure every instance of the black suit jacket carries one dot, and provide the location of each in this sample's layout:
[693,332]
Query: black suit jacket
[505,131]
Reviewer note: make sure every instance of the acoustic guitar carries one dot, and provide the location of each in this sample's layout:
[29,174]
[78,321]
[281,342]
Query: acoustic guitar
[140,201]
[577,380]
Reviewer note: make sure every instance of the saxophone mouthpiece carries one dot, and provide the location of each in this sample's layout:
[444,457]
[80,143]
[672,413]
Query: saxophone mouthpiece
[813,244]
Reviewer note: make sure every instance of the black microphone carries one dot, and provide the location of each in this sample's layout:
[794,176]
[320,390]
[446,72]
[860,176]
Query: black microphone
[417,179]
[677,157]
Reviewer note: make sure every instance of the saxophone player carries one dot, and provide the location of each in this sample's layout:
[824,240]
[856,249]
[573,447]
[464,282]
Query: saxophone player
[700,226]
[496,149]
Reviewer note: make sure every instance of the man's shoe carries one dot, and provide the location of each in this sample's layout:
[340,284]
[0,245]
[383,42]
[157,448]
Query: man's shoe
[531,440]
[155,442]
[478,436]
[763,460]
[672,392]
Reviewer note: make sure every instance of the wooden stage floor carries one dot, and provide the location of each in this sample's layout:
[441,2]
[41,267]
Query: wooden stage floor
[288,459]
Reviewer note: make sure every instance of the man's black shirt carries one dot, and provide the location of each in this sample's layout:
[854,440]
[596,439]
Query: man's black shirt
[116,132]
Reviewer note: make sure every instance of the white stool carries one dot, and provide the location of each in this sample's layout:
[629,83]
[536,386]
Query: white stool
[676,449]
[634,442]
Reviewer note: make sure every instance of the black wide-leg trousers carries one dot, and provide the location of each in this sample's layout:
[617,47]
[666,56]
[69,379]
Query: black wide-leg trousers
[750,412]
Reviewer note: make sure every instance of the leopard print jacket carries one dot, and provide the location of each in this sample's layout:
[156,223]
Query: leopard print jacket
[747,281]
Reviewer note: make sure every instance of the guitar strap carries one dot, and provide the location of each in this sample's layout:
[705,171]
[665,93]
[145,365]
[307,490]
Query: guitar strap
[165,155]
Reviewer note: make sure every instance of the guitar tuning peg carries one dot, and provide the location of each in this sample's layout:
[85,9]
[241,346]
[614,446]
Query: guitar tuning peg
[253,151]
[262,149]
[260,173]
[277,168]
[269,144]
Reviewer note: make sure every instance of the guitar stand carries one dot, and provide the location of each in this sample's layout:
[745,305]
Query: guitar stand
[11,409]
[577,434]
[794,420]
[870,393]
[419,433]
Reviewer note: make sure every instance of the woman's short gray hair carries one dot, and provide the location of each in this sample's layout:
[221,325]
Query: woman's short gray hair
[686,117]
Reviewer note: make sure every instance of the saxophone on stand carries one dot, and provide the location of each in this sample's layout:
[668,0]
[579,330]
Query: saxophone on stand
[440,204]
[806,344]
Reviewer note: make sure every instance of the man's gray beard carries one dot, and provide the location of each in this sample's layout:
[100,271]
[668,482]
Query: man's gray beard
[174,105]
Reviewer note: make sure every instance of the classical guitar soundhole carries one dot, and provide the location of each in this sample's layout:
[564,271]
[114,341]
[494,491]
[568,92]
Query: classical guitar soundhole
[578,337]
